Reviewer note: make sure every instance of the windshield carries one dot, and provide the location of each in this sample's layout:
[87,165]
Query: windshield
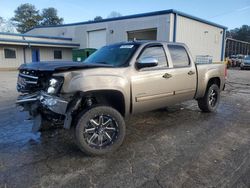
[116,55]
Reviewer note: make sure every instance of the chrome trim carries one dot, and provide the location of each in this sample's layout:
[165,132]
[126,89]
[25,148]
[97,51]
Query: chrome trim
[151,97]
[26,100]
[31,82]
[28,76]
[184,91]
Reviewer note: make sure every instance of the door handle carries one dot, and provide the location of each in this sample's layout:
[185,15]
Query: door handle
[191,72]
[166,75]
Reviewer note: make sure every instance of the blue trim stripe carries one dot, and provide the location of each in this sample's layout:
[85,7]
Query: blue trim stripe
[138,16]
[175,27]
[27,42]
[223,45]
[35,36]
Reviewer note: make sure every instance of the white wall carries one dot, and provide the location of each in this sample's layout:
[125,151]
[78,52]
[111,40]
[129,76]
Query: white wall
[46,54]
[201,38]
[79,33]
[11,63]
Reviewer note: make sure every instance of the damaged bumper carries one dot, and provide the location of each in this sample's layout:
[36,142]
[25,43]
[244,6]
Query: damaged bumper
[53,103]
[42,103]
[41,100]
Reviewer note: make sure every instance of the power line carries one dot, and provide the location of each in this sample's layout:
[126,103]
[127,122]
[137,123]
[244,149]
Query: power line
[231,12]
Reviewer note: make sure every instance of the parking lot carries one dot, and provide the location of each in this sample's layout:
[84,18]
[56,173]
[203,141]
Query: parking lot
[174,147]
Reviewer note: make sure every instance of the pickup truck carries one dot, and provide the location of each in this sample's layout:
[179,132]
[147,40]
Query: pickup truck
[93,97]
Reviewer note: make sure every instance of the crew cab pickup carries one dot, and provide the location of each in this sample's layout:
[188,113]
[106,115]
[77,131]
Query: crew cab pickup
[118,80]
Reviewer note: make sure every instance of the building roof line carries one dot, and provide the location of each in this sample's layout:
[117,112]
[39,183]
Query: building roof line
[241,41]
[35,36]
[28,42]
[156,13]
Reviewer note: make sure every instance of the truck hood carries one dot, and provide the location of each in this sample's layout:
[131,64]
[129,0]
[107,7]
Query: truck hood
[59,66]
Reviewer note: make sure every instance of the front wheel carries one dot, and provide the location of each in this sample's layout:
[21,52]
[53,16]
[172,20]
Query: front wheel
[210,101]
[100,130]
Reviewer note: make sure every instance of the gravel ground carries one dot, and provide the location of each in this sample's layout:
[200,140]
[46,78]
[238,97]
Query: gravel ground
[176,147]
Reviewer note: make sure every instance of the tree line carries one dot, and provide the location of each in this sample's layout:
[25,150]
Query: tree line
[27,16]
[242,33]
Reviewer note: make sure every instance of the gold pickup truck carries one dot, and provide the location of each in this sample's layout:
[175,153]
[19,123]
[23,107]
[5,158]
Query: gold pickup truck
[118,80]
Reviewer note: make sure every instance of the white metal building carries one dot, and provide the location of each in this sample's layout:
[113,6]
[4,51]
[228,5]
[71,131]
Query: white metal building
[201,36]
[16,49]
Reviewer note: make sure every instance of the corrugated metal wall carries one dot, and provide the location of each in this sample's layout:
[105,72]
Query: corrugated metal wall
[116,30]
[201,38]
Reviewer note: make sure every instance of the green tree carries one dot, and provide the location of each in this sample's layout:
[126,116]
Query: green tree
[6,26]
[98,18]
[1,20]
[242,33]
[26,17]
[50,17]
[114,14]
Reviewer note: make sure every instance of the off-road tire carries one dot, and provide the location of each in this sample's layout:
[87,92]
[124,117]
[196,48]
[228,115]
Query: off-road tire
[205,103]
[84,121]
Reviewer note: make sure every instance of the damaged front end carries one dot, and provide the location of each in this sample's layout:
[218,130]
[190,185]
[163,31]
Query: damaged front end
[43,106]
[42,99]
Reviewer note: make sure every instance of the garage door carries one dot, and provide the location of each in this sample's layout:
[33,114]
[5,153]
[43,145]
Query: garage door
[96,39]
[145,34]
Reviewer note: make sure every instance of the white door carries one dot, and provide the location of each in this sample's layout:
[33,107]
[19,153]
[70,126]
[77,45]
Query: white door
[97,39]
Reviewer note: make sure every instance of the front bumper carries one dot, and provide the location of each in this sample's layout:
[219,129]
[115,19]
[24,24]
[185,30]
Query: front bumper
[50,102]
[245,65]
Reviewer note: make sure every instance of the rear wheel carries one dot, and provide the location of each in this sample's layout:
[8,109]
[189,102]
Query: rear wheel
[100,130]
[210,101]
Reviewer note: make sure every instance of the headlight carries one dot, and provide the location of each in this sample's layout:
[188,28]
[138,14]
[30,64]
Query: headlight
[54,85]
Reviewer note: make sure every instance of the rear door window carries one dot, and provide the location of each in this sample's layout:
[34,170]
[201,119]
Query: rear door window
[179,56]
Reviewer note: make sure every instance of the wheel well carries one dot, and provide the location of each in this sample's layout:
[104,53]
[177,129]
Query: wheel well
[111,98]
[215,80]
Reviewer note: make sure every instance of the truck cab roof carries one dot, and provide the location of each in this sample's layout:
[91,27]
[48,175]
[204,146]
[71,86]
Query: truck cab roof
[143,42]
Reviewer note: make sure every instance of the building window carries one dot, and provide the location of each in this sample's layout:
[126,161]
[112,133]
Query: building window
[10,53]
[57,54]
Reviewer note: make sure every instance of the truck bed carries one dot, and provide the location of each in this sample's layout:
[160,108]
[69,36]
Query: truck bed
[203,70]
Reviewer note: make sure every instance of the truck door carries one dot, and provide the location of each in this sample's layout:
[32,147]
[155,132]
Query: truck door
[183,74]
[152,87]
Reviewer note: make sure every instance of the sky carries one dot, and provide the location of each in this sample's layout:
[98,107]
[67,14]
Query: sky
[230,13]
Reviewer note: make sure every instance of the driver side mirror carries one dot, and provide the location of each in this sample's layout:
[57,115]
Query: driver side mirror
[147,62]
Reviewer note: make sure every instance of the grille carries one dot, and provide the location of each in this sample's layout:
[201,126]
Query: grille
[27,81]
